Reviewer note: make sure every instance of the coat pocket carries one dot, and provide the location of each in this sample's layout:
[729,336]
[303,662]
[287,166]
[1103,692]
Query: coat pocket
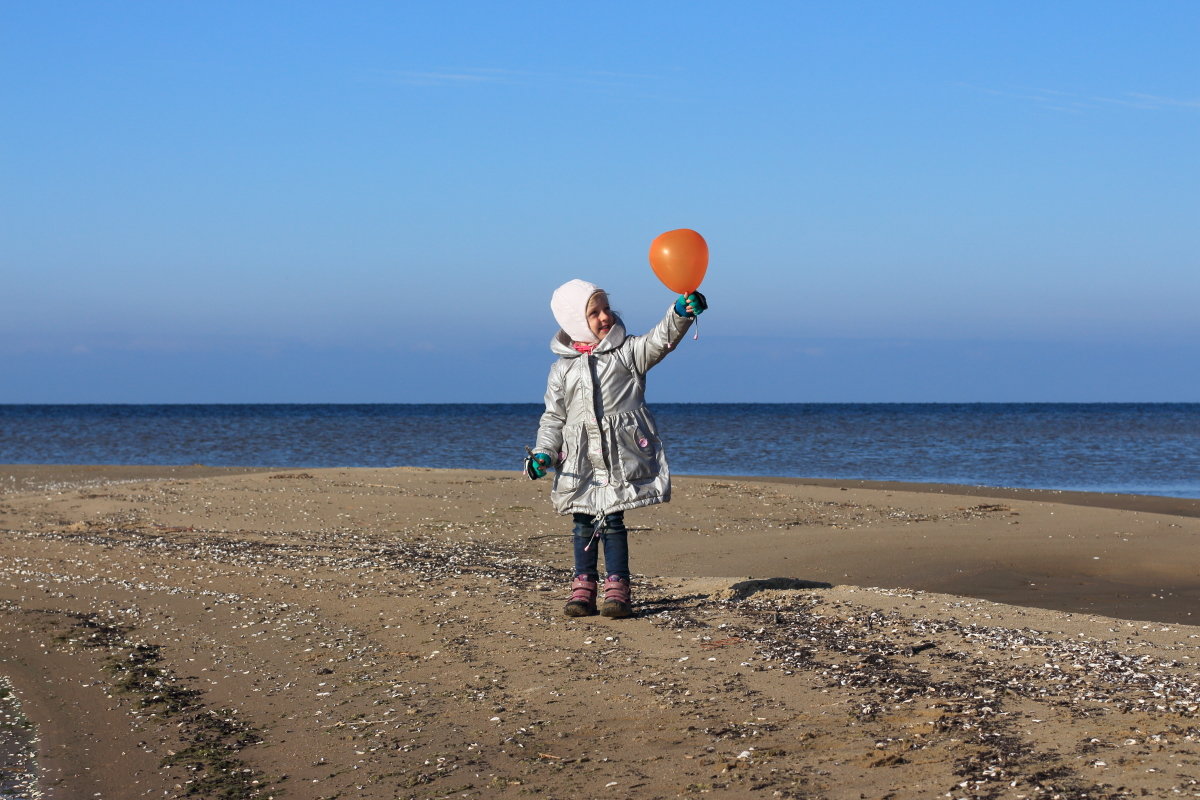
[639,452]
[573,462]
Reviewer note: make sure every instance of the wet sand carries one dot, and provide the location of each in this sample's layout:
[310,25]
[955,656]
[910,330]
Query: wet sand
[398,633]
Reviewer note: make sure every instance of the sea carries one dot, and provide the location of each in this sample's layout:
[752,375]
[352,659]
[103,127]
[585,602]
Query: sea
[1126,448]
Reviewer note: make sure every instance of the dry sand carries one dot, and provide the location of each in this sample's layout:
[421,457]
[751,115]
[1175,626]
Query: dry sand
[393,633]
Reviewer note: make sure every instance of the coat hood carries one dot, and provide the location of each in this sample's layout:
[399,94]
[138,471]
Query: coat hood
[560,345]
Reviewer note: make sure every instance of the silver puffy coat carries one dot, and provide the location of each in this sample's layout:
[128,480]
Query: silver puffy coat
[597,428]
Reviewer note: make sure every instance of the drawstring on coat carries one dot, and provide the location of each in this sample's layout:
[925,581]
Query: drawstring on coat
[598,524]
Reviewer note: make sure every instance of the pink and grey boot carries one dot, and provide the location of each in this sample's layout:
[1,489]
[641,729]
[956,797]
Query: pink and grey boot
[583,597]
[617,600]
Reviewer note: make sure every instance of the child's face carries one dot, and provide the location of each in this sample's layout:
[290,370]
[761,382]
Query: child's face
[599,316]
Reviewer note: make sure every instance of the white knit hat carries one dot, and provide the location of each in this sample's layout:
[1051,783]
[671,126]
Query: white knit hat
[569,305]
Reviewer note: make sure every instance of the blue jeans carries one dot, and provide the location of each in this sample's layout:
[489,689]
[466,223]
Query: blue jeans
[613,538]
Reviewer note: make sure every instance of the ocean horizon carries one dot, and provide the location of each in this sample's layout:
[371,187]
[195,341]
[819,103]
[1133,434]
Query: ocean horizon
[1128,448]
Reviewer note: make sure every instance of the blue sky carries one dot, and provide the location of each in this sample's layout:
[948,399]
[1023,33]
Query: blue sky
[372,201]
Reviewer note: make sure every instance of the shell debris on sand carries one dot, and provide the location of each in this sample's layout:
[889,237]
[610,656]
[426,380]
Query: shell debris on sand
[398,633]
[18,748]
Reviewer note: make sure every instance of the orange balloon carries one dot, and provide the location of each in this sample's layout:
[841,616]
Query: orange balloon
[679,258]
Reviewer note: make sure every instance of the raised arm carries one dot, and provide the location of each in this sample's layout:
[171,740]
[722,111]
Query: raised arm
[652,348]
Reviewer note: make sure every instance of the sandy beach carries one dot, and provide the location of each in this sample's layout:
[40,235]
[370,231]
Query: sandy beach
[397,633]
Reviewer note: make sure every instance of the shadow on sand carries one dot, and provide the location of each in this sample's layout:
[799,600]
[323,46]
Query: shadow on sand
[738,591]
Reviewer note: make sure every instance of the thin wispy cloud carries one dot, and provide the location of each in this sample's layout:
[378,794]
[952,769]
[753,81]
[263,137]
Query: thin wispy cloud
[1166,102]
[601,74]
[444,78]
[1056,100]
[478,76]
[1046,98]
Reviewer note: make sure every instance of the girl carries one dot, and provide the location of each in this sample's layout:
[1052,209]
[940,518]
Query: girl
[599,435]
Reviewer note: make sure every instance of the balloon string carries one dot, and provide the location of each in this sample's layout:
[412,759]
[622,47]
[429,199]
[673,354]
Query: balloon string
[696,332]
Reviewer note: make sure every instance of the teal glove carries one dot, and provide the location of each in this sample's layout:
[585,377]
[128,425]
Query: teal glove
[536,466]
[691,305]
